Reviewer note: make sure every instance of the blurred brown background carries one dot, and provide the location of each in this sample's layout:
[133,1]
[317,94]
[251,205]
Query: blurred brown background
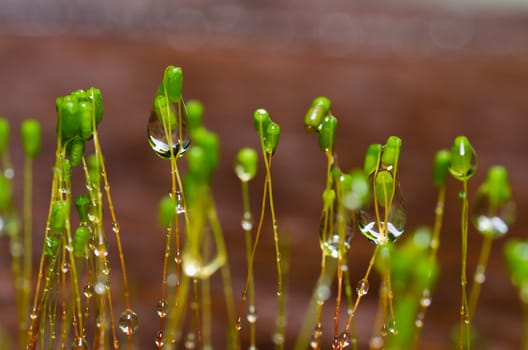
[424,71]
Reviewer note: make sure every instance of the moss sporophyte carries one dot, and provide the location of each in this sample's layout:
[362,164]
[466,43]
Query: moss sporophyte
[72,305]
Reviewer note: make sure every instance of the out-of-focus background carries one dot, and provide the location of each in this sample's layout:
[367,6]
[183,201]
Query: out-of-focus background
[426,71]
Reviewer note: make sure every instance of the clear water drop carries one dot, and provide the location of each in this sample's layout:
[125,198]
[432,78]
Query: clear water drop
[334,245]
[190,341]
[344,340]
[490,220]
[128,322]
[315,341]
[425,301]
[252,314]
[106,268]
[88,291]
[246,223]
[161,308]
[362,287]
[159,340]
[115,227]
[65,267]
[79,343]
[238,324]
[158,140]
[100,288]
[180,203]
[278,338]
[34,313]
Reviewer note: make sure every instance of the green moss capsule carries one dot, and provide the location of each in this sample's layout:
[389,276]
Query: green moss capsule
[441,167]
[372,158]
[30,132]
[208,141]
[51,245]
[6,192]
[166,211]
[498,186]
[59,214]
[261,120]
[76,151]
[391,152]
[516,254]
[4,135]
[384,188]
[173,83]
[246,164]
[68,114]
[81,204]
[86,122]
[194,110]
[463,159]
[81,238]
[359,193]
[94,170]
[272,137]
[198,165]
[327,133]
[316,113]
[94,94]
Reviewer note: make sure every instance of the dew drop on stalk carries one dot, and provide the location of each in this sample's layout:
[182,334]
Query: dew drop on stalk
[252,315]
[33,314]
[79,343]
[344,340]
[190,341]
[362,287]
[65,267]
[162,308]
[493,221]
[278,338]
[180,205]
[88,291]
[159,340]
[128,322]
[315,341]
[158,140]
[246,222]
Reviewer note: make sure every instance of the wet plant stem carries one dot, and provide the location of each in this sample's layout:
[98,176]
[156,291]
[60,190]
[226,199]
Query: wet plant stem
[465,324]
[480,275]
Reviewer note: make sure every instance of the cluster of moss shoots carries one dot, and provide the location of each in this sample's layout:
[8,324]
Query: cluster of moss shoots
[70,304]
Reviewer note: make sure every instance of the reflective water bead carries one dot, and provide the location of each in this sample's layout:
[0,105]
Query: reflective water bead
[128,322]
[463,159]
[159,339]
[246,222]
[246,164]
[362,287]
[252,315]
[344,340]
[88,290]
[159,143]
[79,343]
[180,203]
[190,341]
[161,308]
[333,246]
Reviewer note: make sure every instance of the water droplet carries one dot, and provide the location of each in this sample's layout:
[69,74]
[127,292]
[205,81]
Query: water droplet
[490,220]
[9,173]
[100,252]
[246,222]
[362,287]
[115,227]
[191,266]
[88,291]
[16,249]
[252,315]
[79,343]
[392,327]
[158,141]
[278,338]
[333,245]
[34,313]
[323,292]
[418,323]
[425,301]
[162,308]
[480,274]
[315,341]
[116,344]
[65,267]
[238,325]
[106,268]
[128,322]
[344,340]
[467,169]
[376,343]
[159,340]
[180,203]
[190,341]
[172,279]
[100,288]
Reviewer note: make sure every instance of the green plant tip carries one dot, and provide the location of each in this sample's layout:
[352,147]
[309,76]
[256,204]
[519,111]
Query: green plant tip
[59,213]
[384,188]
[271,140]
[246,164]
[4,135]
[441,167]
[372,158]
[30,132]
[261,120]
[316,113]
[391,152]
[81,238]
[359,193]
[463,159]
[51,244]
[166,211]
[173,83]
[67,111]
[327,133]
[498,186]
[81,204]
[76,151]
[195,110]
[6,192]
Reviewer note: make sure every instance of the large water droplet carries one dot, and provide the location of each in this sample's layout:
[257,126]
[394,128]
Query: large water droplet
[384,224]
[329,232]
[362,287]
[157,138]
[128,322]
[491,220]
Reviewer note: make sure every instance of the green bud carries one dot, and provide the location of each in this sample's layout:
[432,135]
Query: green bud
[30,131]
[4,135]
[81,204]
[327,133]
[463,160]
[51,244]
[498,186]
[59,213]
[384,188]
[441,167]
[94,94]
[271,140]
[166,211]
[391,151]
[359,193]
[76,151]
[81,238]
[68,116]
[6,192]
[165,112]
[246,164]
[261,120]
[194,109]
[316,113]
[372,158]
[173,82]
